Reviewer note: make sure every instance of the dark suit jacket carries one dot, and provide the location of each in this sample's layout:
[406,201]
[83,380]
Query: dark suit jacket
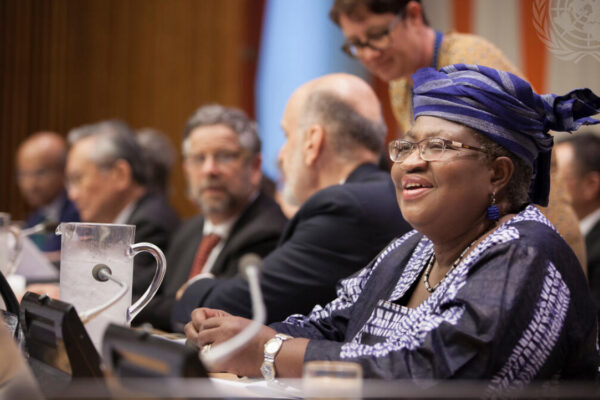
[155,222]
[592,247]
[49,241]
[257,230]
[335,233]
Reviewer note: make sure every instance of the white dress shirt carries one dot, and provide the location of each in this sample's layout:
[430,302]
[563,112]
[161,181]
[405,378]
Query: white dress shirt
[588,222]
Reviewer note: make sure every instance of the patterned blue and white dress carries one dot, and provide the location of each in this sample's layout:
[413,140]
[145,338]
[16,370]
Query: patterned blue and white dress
[517,308]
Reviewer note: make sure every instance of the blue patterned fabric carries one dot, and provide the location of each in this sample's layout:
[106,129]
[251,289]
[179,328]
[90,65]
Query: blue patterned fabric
[504,108]
[516,309]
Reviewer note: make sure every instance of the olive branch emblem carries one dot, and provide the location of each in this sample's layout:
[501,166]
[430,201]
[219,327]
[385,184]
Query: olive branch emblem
[553,41]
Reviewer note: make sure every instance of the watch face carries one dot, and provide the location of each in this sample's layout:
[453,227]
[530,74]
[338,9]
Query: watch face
[267,370]
[272,346]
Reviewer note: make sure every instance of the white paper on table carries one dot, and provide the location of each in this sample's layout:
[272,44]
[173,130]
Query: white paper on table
[260,388]
[34,265]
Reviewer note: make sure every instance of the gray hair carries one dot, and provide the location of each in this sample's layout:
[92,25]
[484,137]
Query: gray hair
[114,141]
[348,128]
[517,189]
[235,119]
[159,155]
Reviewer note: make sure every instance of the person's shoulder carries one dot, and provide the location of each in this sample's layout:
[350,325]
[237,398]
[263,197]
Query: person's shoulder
[384,188]
[187,232]
[191,224]
[157,205]
[359,201]
[354,190]
[469,40]
[153,211]
[265,204]
[368,172]
[366,186]
[533,225]
[530,235]
[263,217]
[473,49]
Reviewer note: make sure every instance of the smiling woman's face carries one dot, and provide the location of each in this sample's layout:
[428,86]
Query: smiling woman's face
[443,197]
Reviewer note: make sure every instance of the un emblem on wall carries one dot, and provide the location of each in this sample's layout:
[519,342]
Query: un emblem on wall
[570,29]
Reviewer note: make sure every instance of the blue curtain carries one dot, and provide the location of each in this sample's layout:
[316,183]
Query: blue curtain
[298,43]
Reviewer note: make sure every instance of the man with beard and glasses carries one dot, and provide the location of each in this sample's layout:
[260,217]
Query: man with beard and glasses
[347,206]
[222,165]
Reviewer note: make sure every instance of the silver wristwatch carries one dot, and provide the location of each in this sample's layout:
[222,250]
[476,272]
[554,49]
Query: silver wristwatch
[272,347]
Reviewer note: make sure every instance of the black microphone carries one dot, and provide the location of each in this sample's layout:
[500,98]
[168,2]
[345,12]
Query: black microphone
[250,266]
[103,273]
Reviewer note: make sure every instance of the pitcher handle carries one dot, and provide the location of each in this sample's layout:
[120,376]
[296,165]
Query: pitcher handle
[161,268]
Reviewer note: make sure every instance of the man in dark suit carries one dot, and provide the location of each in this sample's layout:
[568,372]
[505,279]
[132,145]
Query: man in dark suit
[578,159]
[347,206]
[106,179]
[40,166]
[222,165]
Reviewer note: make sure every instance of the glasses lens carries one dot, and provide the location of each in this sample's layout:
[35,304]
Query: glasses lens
[400,149]
[433,149]
[393,150]
[350,49]
[381,41]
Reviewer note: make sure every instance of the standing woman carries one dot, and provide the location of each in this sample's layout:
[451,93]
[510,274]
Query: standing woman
[484,287]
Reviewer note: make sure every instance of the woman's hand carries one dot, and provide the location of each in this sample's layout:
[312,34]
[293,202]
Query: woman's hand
[199,315]
[209,326]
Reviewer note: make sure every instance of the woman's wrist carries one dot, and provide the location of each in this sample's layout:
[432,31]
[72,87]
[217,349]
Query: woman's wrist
[290,360]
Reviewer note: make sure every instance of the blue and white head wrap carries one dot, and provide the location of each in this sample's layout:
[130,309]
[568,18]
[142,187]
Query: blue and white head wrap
[504,108]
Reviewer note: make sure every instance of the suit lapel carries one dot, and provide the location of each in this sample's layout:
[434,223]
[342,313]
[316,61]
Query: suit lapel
[593,236]
[231,244]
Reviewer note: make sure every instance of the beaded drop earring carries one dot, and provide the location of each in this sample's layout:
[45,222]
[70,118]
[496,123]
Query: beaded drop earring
[493,213]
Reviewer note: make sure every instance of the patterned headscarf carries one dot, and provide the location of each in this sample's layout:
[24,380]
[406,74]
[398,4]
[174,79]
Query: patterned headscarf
[504,108]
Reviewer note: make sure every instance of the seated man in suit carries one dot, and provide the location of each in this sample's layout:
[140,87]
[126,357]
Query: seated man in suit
[106,179]
[222,165]
[348,210]
[578,159]
[40,175]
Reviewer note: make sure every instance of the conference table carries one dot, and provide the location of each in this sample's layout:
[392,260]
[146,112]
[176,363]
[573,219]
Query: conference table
[22,384]
[219,386]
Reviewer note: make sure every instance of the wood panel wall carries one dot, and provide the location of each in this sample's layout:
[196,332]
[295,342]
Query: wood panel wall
[64,63]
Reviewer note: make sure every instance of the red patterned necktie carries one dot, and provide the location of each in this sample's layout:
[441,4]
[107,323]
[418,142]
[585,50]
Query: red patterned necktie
[207,244]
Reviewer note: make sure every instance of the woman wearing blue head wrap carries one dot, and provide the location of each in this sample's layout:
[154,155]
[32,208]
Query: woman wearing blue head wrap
[504,108]
[483,287]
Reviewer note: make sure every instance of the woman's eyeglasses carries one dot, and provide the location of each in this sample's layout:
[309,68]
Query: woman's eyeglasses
[376,41]
[430,149]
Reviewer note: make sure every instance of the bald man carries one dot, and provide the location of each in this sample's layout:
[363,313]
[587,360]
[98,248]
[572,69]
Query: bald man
[347,206]
[40,164]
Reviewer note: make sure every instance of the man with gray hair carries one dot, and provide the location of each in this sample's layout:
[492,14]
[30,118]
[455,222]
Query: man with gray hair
[106,179]
[222,165]
[348,210]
